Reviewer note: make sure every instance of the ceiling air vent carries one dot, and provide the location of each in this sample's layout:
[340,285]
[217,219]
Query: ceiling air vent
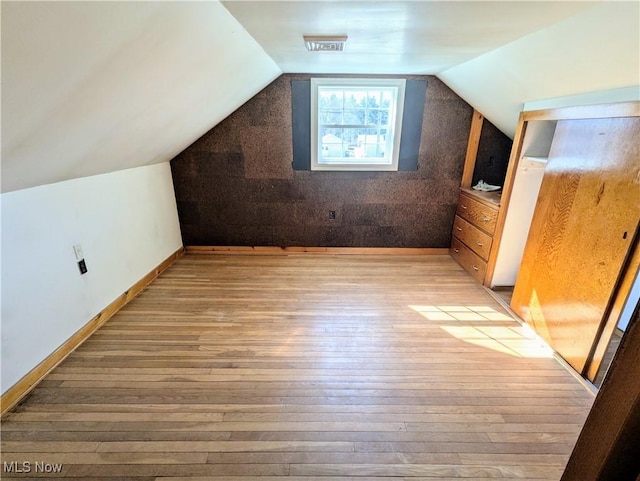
[332,43]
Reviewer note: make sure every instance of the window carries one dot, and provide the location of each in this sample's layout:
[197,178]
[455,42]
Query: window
[355,123]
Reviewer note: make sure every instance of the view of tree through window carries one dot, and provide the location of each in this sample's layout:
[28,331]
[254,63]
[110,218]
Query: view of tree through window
[354,122]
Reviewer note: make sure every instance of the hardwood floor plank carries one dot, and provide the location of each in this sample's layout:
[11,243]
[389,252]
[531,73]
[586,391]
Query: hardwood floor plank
[115,435]
[531,437]
[48,447]
[333,458]
[481,448]
[374,417]
[496,428]
[304,367]
[318,411]
[136,457]
[252,471]
[507,459]
[224,446]
[116,417]
[360,436]
[430,470]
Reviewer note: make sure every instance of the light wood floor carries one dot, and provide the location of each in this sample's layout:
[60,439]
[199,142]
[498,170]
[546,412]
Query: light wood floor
[304,367]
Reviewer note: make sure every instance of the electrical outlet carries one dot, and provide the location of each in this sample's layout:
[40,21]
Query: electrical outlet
[332,214]
[82,265]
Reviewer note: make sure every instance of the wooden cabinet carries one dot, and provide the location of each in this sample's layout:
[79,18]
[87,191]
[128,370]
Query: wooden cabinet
[573,245]
[478,214]
[582,231]
[473,264]
[565,228]
[479,209]
[478,241]
[473,229]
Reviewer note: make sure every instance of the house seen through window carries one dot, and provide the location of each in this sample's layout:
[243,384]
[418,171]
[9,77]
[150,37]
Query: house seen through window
[355,123]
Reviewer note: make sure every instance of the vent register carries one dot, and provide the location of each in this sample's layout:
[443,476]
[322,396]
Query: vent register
[332,43]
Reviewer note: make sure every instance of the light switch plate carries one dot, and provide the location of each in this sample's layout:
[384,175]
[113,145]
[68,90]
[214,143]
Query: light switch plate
[77,249]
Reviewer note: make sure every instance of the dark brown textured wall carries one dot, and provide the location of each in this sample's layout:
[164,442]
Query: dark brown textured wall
[492,159]
[236,186]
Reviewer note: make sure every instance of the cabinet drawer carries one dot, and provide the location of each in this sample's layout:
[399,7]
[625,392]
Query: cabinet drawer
[472,263]
[474,238]
[478,214]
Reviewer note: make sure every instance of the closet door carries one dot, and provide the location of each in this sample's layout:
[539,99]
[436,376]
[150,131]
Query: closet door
[584,223]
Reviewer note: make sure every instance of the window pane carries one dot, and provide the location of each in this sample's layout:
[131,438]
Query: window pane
[350,136]
[373,98]
[354,99]
[377,117]
[354,117]
[331,142]
[330,98]
[372,143]
[331,117]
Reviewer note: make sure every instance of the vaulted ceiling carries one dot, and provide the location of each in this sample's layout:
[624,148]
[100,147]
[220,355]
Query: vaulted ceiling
[95,87]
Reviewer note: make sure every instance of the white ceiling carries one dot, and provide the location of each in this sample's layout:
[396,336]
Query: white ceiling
[95,87]
[497,55]
[392,37]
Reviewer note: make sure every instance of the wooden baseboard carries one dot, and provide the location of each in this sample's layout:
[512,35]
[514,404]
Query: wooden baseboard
[274,250]
[19,390]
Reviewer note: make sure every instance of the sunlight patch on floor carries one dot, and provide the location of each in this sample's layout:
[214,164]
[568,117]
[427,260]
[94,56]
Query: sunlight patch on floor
[460,313]
[516,340]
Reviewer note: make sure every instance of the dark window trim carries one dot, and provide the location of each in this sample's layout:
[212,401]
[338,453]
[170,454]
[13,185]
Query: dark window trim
[414,97]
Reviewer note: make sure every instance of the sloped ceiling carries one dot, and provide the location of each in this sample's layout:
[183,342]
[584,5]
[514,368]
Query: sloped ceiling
[95,87]
[596,50]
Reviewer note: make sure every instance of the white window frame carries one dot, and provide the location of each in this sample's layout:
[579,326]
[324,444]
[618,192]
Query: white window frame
[390,162]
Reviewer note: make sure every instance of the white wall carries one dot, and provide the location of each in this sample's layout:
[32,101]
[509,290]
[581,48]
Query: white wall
[526,187]
[522,203]
[127,224]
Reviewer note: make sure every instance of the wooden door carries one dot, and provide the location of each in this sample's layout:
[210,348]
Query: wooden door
[584,223]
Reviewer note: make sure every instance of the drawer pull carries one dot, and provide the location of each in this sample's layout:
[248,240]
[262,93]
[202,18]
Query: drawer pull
[479,243]
[456,250]
[462,206]
[485,218]
[475,267]
[459,228]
